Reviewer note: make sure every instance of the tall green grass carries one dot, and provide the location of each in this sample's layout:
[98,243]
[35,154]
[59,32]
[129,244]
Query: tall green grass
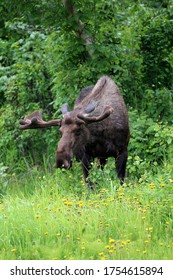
[56,216]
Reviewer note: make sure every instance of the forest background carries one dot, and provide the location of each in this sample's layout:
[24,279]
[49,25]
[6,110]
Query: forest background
[49,51]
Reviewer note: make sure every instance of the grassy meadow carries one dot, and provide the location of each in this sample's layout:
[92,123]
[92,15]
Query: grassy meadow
[53,215]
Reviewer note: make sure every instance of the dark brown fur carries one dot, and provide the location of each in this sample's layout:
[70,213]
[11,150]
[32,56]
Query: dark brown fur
[100,139]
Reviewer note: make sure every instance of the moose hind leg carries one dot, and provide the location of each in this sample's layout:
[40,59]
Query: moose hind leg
[121,161]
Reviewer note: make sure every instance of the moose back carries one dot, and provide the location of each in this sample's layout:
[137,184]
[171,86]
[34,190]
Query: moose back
[97,127]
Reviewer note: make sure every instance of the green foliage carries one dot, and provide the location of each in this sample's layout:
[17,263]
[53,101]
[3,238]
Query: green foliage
[158,104]
[156,47]
[27,80]
[25,87]
[151,144]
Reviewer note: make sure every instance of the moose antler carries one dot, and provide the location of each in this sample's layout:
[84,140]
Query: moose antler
[89,119]
[35,121]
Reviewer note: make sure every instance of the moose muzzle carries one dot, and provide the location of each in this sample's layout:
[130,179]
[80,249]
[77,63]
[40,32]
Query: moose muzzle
[62,160]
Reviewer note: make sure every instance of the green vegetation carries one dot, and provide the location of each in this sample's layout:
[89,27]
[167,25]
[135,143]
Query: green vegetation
[55,216]
[49,51]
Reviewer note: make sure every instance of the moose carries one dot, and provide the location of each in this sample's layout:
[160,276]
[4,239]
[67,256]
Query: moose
[97,127]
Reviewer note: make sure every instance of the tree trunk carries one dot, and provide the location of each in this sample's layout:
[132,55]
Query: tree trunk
[80,31]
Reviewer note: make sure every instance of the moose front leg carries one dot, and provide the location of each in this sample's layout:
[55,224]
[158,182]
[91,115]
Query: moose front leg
[121,161]
[86,166]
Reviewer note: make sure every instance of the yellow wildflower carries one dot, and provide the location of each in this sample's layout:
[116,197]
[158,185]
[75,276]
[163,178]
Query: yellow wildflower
[111,240]
[152,186]
[13,250]
[110,251]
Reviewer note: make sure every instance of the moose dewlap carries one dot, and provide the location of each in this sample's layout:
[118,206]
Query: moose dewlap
[97,127]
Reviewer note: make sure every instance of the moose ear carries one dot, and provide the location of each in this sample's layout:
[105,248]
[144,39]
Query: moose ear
[65,108]
[91,107]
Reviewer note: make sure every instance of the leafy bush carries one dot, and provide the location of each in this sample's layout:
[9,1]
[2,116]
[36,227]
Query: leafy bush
[151,143]
[25,87]
[156,48]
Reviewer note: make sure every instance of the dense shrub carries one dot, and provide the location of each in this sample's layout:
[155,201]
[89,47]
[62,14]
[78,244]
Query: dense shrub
[151,143]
